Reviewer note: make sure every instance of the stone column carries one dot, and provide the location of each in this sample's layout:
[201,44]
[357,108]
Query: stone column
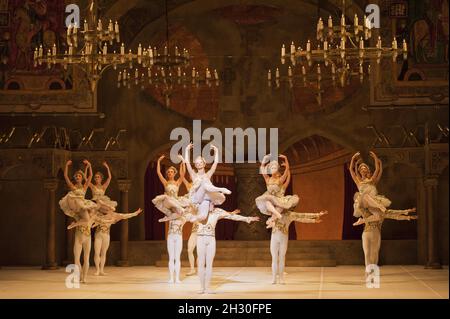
[124,187]
[51,185]
[431,183]
[250,184]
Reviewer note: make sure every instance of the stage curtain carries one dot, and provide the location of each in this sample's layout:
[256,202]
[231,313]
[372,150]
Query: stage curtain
[153,187]
[348,230]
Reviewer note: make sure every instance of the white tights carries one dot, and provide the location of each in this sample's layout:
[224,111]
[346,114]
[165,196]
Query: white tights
[174,247]
[206,250]
[371,242]
[101,245]
[192,242]
[278,248]
[82,243]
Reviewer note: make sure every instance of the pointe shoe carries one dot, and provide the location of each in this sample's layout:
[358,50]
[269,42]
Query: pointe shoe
[103,273]
[171,281]
[178,281]
[281,281]
[191,273]
[274,281]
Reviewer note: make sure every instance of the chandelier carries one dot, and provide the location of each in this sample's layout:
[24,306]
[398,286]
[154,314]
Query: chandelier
[166,68]
[341,52]
[88,48]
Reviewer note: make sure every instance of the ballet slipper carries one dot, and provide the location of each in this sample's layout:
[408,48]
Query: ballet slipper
[192,272]
[102,273]
[274,281]
[178,281]
[97,273]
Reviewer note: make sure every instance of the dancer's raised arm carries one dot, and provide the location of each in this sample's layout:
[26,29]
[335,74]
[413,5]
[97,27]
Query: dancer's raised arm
[378,167]
[216,161]
[286,169]
[66,175]
[187,160]
[158,171]
[288,179]
[88,178]
[306,217]
[108,180]
[182,174]
[353,170]
[263,165]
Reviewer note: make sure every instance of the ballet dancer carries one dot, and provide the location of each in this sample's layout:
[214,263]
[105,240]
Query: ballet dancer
[102,239]
[280,235]
[99,188]
[170,203]
[367,197]
[273,202]
[203,194]
[82,210]
[371,208]
[206,243]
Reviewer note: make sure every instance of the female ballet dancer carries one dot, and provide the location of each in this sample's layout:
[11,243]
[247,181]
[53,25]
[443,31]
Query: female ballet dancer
[170,203]
[367,197]
[273,202]
[372,216]
[280,235]
[203,194]
[83,211]
[98,189]
[102,239]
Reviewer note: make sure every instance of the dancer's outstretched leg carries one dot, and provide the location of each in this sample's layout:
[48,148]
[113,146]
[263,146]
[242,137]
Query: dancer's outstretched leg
[178,247]
[97,252]
[103,252]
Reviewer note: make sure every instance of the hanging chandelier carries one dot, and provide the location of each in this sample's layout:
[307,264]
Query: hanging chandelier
[341,53]
[88,48]
[167,69]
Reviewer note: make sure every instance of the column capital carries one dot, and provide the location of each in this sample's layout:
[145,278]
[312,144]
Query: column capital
[431,180]
[124,184]
[51,184]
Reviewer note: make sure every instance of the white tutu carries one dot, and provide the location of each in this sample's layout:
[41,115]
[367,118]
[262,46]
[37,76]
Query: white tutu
[199,191]
[275,195]
[169,199]
[74,202]
[368,198]
[98,195]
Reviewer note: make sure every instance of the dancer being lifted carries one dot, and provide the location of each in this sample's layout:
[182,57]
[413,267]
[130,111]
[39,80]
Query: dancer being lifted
[280,234]
[371,208]
[203,194]
[170,203]
[273,202]
[84,212]
[98,189]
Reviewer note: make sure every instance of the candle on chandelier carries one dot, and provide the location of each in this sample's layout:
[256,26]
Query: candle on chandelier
[165,50]
[361,43]
[116,27]
[290,72]
[105,49]
[342,20]
[318,69]
[99,26]
[136,73]
[216,75]
[277,73]
[269,75]
[330,22]
[342,43]
[356,21]
[379,43]
[85,26]
[394,44]
[405,46]
[283,51]
[193,72]
[119,77]
[308,46]
[150,52]
[149,72]
[122,49]
[176,50]
[208,74]
[325,45]
[292,47]
[110,26]
[139,50]
[179,72]
[54,49]
[360,69]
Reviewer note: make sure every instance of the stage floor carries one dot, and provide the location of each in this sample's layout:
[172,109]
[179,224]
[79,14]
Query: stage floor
[229,282]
